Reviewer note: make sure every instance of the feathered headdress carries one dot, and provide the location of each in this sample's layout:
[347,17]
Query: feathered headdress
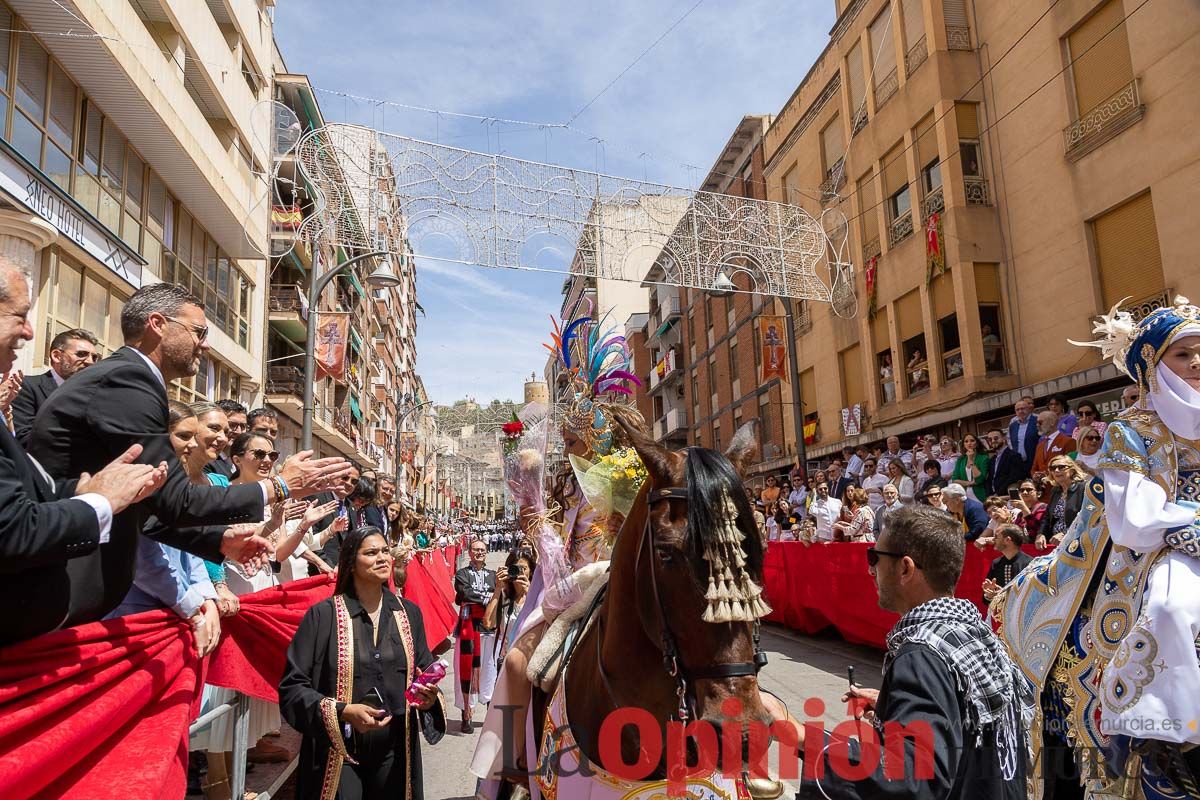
[1135,346]
[598,363]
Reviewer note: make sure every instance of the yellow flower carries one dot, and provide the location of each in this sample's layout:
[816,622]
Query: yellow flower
[630,473]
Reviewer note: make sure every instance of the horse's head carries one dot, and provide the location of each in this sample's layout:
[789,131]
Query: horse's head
[696,560]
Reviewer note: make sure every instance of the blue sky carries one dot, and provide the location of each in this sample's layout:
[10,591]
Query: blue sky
[543,61]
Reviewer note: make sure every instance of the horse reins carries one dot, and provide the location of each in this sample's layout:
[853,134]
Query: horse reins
[671,660]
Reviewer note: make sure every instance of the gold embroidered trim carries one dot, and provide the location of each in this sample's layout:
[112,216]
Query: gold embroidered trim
[409,672]
[343,693]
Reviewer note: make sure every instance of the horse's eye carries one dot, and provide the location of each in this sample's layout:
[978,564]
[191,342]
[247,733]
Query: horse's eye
[665,554]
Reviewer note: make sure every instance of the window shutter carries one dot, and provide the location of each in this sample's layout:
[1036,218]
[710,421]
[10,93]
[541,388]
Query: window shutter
[33,65]
[1105,68]
[927,145]
[808,391]
[942,290]
[908,316]
[954,12]
[868,219]
[987,283]
[854,68]
[914,22]
[883,50]
[1127,250]
[6,41]
[852,377]
[967,115]
[895,170]
[831,142]
[880,332]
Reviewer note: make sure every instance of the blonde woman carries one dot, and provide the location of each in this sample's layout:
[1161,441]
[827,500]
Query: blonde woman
[1066,498]
[862,519]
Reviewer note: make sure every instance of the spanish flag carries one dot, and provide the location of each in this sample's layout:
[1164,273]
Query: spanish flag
[810,429]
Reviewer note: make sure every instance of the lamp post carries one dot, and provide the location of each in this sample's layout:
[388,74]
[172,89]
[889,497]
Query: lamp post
[382,277]
[407,398]
[724,287]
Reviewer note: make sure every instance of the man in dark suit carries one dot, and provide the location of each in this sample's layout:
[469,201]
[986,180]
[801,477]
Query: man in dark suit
[43,523]
[1004,467]
[1023,434]
[838,483]
[356,497]
[121,401]
[70,351]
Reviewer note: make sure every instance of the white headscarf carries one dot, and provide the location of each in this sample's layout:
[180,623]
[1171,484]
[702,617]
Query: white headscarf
[1176,402]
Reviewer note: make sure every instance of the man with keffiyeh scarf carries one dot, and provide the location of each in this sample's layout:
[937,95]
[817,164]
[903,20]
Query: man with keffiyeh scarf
[951,695]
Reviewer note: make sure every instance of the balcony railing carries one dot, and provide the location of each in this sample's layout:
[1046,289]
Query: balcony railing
[673,421]
[285,297]
[976,191]
[835,178]
[933,203]
[886,88]
[803,318]
[871,249]
[915,56]
[1145,306]
[860,120]
[285,380]
[900,229]
[1104,121]
[958,37]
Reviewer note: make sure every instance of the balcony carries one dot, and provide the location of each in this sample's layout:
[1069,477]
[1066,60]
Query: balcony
[285,221]
[900,229]
[886,88]
[673,422]
[664,320]
[835,179]
[1145,306]
[664,371]
[803,318]
[871,250]
[860,120]
[915,56]
[958,37]
[1104,122]
[285,381]
[976,191]
[933,203]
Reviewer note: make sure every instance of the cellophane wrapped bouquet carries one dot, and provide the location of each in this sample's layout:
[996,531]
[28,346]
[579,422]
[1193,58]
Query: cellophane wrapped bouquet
[524,446]
[611,482]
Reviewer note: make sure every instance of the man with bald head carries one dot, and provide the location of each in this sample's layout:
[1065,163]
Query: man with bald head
[1053,442]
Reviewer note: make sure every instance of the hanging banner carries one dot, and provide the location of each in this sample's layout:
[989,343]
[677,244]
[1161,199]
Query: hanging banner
[774,348]
[935,256]
[871,273]
[333,329]
[852,420]
[810,428]
[408,446]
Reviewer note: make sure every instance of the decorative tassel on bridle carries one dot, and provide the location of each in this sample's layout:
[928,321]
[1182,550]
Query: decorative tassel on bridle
[732,595]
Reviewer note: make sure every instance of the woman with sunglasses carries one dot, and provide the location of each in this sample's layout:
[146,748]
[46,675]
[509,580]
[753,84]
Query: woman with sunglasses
[770,493]
[1066,498]
[1030,509]
[1088,456]
[1089,419]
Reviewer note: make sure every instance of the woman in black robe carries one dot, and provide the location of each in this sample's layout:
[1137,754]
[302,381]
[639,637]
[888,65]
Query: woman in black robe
[343,686]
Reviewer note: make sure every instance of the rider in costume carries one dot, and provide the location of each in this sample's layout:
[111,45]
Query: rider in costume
[1108,622]
[575,530]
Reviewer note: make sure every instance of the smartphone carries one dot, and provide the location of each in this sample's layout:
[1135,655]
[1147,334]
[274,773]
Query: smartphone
[374,699]
[1014,494]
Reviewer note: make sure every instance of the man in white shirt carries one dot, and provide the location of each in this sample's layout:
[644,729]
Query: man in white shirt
[873,483]
[854,461]
[825,511]
[892,453]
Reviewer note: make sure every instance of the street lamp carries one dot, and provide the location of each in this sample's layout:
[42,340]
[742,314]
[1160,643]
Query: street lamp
[383,277]
[407,398]
[723,286]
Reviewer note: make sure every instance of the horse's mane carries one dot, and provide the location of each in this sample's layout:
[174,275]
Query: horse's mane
[710,478]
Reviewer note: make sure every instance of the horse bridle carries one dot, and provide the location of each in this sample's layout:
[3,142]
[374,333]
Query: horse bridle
[672,662]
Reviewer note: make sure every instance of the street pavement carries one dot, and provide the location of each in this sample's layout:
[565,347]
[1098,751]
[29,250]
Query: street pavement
[798,668]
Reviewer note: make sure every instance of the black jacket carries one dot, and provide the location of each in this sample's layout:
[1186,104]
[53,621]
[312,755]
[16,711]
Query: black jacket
[356,518]
[220,466]
[1074,503]
[25,405]
[919,693]
[93,418]
[40,529]
[1004,469]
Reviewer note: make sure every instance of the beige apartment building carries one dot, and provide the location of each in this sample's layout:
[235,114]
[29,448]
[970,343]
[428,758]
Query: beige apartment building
[1050,153]
[364,414]
[137,156]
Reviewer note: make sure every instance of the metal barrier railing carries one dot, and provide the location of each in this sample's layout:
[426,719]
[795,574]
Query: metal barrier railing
[240,708]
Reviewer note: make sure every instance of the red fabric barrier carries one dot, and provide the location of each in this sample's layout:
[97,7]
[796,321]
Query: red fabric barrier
[438,614]
[102,710]
[99,711]
[813,587]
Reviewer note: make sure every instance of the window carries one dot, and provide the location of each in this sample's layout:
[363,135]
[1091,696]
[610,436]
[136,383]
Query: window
[987,290]
[967,117]
[883,56]
[952,362]
[868,221]
[853,393]
[1128,257]
[832,147]
[910,321]
[926,146]
[899,204]
[77,300]
[857,86]
[914,33]
[882,337]
[1099,53]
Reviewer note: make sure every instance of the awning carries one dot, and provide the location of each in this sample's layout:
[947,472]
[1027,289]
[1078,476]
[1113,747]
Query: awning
[356,341]
[357,286]
[355,410]
[666,326]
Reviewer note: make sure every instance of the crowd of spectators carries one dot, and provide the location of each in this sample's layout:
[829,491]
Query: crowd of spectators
[192,506]
[1026,478]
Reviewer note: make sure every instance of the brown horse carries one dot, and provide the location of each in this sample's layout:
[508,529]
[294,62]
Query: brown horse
[649,647]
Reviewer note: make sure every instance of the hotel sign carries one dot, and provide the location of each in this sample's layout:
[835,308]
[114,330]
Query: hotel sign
[30,188]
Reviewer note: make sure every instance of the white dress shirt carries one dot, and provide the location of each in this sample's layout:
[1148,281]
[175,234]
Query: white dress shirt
[825,511]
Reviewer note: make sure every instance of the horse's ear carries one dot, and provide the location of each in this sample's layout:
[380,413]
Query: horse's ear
[654,455]
[744,447]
